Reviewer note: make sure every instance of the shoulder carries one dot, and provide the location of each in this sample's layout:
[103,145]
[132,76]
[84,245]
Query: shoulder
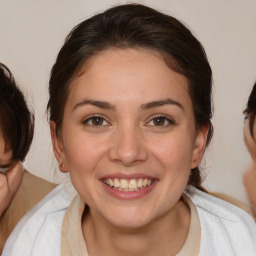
[40,229]
[225,227]
[231,200]
[34,181]
[31,191]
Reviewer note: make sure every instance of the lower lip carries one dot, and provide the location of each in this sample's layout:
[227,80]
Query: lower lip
[129,195]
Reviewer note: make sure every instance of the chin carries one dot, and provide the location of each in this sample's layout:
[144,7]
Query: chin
[130,224]
[128,219]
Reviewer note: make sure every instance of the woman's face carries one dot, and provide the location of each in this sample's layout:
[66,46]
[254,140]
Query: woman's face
[128,136]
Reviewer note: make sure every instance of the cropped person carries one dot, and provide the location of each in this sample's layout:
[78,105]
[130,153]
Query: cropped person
[249,177]
[19,190]
[130,115]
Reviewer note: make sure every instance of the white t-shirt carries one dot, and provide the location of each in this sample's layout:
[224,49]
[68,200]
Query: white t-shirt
[226,230]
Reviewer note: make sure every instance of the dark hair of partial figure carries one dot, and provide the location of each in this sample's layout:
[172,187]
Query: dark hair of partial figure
[135,26]
[250,111]
[16,121]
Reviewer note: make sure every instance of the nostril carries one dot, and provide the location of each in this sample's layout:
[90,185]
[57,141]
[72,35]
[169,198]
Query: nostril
[128,152]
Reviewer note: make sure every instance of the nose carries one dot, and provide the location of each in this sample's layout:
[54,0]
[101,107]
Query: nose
[128,146]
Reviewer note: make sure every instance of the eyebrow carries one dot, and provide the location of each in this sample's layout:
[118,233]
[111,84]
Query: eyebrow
[159,103]
[149,105]
[96,103]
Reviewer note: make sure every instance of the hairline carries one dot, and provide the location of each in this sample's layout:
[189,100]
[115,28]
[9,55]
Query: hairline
[84,64]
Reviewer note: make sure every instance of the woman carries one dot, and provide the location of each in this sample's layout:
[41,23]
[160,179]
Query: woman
[130,115]
[249,138]
[19,190]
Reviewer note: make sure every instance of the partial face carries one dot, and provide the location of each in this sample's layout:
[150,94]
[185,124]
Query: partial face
[128,137]
[6,161]
[250,142]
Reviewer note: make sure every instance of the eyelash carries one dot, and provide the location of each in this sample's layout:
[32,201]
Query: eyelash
[89,121]
[92,118]
[164,118]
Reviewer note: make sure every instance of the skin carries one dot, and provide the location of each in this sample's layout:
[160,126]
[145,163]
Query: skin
[249,177]
[9,182]
[131,140]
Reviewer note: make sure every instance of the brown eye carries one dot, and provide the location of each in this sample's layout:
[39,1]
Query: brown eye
[95,121]
[159,121]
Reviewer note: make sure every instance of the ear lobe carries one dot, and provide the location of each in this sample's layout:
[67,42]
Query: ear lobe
[58,149]
[199,146]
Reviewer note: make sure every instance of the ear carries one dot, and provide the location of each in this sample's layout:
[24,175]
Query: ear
[199,146]
[58,148]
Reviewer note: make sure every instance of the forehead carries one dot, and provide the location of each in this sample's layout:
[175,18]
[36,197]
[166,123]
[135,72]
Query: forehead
[127,70]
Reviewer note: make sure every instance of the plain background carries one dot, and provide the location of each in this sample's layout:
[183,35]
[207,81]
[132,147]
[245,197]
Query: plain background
[33,31]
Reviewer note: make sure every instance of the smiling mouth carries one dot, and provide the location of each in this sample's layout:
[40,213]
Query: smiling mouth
[128,185]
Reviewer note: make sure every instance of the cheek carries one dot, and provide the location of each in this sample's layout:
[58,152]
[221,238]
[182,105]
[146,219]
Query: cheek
[84,153]
[174,152]
[83,157]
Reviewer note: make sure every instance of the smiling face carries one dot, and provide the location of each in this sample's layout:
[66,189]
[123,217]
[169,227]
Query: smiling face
[128,136]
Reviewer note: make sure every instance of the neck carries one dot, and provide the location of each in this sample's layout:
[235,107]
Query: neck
[165,235]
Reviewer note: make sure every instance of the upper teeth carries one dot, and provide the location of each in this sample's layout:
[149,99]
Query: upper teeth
[128,185]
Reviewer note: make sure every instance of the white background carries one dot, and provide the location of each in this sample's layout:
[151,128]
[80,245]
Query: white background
[32,32]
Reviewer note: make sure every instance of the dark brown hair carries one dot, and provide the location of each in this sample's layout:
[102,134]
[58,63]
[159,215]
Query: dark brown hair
[250,111]
[16,121]
[135,26]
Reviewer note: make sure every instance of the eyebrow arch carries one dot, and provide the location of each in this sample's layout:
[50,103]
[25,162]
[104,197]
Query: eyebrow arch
[97,103]
[159,103]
